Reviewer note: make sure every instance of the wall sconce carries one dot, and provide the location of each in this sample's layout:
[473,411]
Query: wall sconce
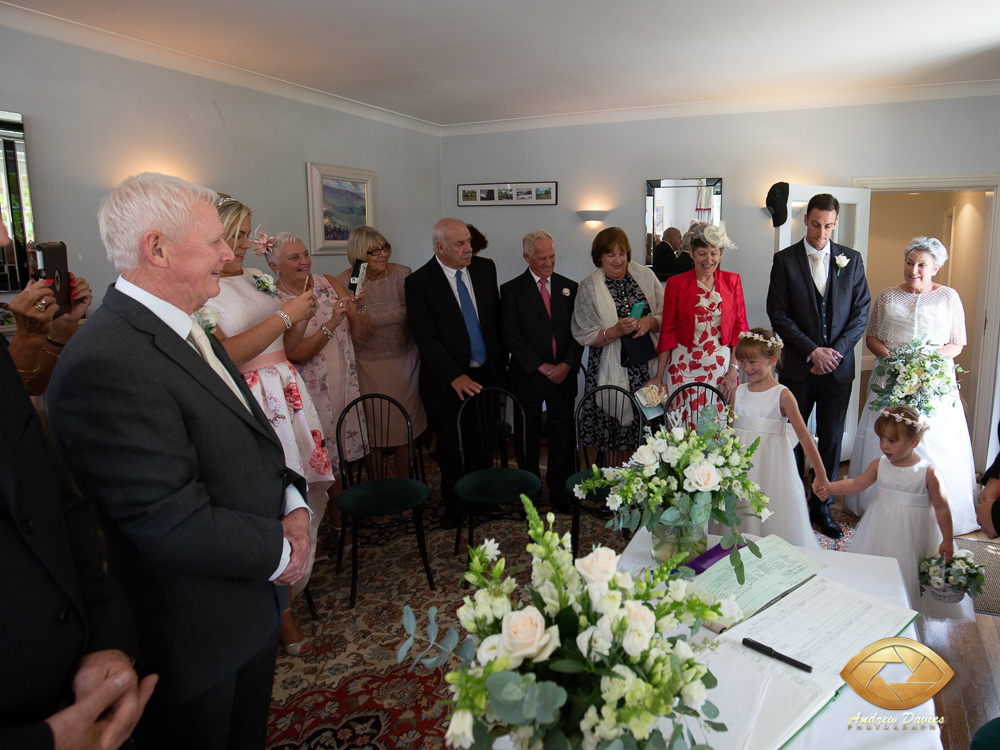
[592,218]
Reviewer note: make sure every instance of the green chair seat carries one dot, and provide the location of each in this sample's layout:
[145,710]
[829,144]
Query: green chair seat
[382,497]
[601,496]
[499,485]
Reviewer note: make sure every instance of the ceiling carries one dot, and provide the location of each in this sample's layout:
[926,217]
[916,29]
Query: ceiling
[454,62]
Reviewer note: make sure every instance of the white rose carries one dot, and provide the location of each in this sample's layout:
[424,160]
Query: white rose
[659,445]
[599,566]
[459,732]
[701,477]
[489,649]
[525,637]
[693,694]
[646,457]
[678,433]
[676,590]
[683,651]
[672,455]
[935,571]
[591,642]
[640,616]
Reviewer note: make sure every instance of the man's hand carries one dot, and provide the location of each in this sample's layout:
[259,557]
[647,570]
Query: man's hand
[984,507]
[96,667]
[296,528]
[89,723]
[559,373]
[465,386]
[824,360]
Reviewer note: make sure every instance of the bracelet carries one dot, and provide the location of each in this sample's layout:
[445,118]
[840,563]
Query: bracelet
[360,310]
[50,340]
[51,354]
[326,331]
[28,374]
[284,317]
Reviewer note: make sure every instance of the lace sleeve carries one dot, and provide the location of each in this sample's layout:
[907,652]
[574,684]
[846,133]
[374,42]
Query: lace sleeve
[876,317]
[958,334]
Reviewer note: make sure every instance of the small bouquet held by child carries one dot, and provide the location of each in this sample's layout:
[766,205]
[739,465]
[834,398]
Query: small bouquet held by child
[918,376]
[950,580]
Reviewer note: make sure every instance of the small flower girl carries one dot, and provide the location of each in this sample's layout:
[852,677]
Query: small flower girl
[910,518]
[765,409]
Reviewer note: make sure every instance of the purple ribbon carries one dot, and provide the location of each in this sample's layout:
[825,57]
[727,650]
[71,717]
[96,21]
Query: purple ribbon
[709,557]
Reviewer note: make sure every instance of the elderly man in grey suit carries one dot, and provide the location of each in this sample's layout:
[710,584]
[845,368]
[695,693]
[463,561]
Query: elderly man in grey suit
[205,525]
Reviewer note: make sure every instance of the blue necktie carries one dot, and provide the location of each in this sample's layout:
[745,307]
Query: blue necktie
[476,342]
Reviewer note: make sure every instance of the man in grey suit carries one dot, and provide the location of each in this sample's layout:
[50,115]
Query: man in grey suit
[205,525]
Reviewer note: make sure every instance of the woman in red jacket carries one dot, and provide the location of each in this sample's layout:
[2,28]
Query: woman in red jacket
[703,315]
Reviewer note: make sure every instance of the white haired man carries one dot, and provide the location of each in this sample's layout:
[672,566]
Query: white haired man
[201,516]
[535,313]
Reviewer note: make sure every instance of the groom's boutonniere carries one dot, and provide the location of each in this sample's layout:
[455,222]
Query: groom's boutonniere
[842,262]
[207,318]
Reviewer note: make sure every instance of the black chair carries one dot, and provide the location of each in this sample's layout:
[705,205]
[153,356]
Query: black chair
[368,492]
[613,444]
[488,481]
[686,404]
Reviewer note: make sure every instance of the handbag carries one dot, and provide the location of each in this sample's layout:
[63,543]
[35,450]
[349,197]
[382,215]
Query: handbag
[637,351]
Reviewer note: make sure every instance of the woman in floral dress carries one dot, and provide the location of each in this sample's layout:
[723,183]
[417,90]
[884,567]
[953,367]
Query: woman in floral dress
[249,320]
[703,315]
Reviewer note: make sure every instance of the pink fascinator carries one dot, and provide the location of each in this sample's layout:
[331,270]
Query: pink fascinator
[261,244]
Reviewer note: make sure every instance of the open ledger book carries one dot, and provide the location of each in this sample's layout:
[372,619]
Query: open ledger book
[799,614]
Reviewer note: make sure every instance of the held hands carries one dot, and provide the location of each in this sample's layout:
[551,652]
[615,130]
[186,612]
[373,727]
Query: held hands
[302,307]
[822,489]
[824,360]
[465,386]
[555,373]
[296,531]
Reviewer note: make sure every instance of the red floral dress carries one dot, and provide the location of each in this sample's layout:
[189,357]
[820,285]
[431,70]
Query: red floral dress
[708,360]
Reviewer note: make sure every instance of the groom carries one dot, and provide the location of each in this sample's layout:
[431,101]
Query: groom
[818,302]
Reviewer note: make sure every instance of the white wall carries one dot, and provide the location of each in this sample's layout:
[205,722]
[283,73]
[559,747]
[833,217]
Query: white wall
[92,119]
[605,167]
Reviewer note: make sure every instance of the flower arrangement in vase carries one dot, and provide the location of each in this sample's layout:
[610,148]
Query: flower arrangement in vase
[596,662]
[680,478]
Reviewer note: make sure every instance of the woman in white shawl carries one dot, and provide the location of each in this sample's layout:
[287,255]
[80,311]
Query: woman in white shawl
[601,318]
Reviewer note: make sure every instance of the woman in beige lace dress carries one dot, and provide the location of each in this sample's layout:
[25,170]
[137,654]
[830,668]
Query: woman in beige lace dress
[387,360]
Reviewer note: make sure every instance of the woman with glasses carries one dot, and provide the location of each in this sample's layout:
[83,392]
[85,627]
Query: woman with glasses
[388,361]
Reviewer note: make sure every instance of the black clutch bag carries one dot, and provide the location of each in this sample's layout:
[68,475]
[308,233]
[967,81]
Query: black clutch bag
[637,351]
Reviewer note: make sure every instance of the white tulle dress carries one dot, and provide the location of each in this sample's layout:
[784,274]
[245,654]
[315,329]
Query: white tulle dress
[898,317]
[901,523]
[759,416]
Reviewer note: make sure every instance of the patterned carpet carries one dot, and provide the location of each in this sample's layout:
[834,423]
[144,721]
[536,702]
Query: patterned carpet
[349,692]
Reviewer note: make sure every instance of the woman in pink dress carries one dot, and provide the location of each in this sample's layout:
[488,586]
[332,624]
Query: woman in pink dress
[249,320]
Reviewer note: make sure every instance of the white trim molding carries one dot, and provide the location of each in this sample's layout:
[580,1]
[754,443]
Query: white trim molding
[984,354]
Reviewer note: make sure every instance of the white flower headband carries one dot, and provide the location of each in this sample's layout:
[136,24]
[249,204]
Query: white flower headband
[918,424]
[776,341]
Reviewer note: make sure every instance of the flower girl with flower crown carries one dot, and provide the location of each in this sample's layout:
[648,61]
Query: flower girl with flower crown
[910,517]
[765,410]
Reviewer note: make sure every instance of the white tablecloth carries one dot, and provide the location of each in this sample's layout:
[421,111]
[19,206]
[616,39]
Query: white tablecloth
[878,576]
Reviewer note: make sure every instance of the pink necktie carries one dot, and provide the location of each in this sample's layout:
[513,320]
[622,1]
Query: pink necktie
[548,308]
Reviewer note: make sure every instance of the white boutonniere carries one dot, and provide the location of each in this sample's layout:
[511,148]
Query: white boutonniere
[265,283]
[841,261]
[565,292]
[207,318]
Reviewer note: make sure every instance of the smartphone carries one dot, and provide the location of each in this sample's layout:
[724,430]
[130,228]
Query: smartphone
[637,310]
[51,263]
[357,276]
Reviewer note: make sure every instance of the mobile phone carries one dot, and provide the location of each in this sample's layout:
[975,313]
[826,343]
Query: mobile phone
[51,263]
[357,276]
[637,310]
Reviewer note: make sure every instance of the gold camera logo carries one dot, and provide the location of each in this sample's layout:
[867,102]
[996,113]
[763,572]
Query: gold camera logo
[928,673]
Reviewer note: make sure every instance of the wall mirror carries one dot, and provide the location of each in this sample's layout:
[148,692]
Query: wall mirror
[678,202]
[15,204]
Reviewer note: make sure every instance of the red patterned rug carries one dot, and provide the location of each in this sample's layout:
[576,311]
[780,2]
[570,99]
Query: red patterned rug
[349,693]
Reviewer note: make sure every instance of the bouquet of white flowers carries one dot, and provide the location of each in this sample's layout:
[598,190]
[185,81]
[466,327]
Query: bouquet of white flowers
[681,477]
[950,580]
[591,664]
[917,376]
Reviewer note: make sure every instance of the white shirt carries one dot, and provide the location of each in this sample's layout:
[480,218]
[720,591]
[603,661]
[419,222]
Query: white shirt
[180,323]
[538,278]
[810,250]
[466,279]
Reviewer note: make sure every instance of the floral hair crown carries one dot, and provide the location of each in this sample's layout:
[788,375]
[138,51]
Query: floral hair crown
[919,424]
[776,341]
[262,244]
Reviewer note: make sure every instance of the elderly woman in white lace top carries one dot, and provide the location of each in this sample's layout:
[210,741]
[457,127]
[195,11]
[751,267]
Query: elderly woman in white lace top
[919,308]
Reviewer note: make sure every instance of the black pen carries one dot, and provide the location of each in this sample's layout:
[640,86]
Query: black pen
[768,651]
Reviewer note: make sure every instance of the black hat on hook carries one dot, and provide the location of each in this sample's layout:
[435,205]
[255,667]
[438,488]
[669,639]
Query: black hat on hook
[777,203]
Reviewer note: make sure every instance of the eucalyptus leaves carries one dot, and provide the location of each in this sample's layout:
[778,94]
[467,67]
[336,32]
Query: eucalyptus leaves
[917,376]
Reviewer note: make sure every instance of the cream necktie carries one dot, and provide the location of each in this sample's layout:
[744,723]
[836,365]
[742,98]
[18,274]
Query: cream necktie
[820,269]
[200,340]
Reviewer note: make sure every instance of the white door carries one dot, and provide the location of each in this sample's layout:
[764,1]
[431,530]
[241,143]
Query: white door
[852,230]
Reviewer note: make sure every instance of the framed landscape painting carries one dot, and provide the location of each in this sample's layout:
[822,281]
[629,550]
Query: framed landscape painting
[340,199]
[509,194]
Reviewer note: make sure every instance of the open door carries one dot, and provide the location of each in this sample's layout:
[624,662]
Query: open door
[852,231]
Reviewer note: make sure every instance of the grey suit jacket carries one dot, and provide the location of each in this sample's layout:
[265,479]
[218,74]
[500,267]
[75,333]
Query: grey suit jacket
[190,487]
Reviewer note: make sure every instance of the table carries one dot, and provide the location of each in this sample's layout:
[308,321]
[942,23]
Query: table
[878,576]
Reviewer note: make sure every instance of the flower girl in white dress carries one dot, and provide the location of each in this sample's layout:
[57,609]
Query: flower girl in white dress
[766,410]
[910,518]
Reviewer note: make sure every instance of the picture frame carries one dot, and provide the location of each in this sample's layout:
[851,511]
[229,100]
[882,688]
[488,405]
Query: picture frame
[340,199]
[509,194]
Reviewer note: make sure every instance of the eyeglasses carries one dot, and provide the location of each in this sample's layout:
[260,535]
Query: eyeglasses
[384,250]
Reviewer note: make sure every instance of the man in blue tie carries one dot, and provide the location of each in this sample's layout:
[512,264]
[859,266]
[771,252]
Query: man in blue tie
[451,308]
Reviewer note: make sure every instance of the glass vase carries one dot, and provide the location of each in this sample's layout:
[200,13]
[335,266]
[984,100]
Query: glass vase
[670,541]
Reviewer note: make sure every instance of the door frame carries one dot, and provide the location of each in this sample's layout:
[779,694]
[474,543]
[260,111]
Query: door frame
[984,356]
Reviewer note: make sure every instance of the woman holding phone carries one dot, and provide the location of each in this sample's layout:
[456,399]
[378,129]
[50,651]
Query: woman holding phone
[388,360]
